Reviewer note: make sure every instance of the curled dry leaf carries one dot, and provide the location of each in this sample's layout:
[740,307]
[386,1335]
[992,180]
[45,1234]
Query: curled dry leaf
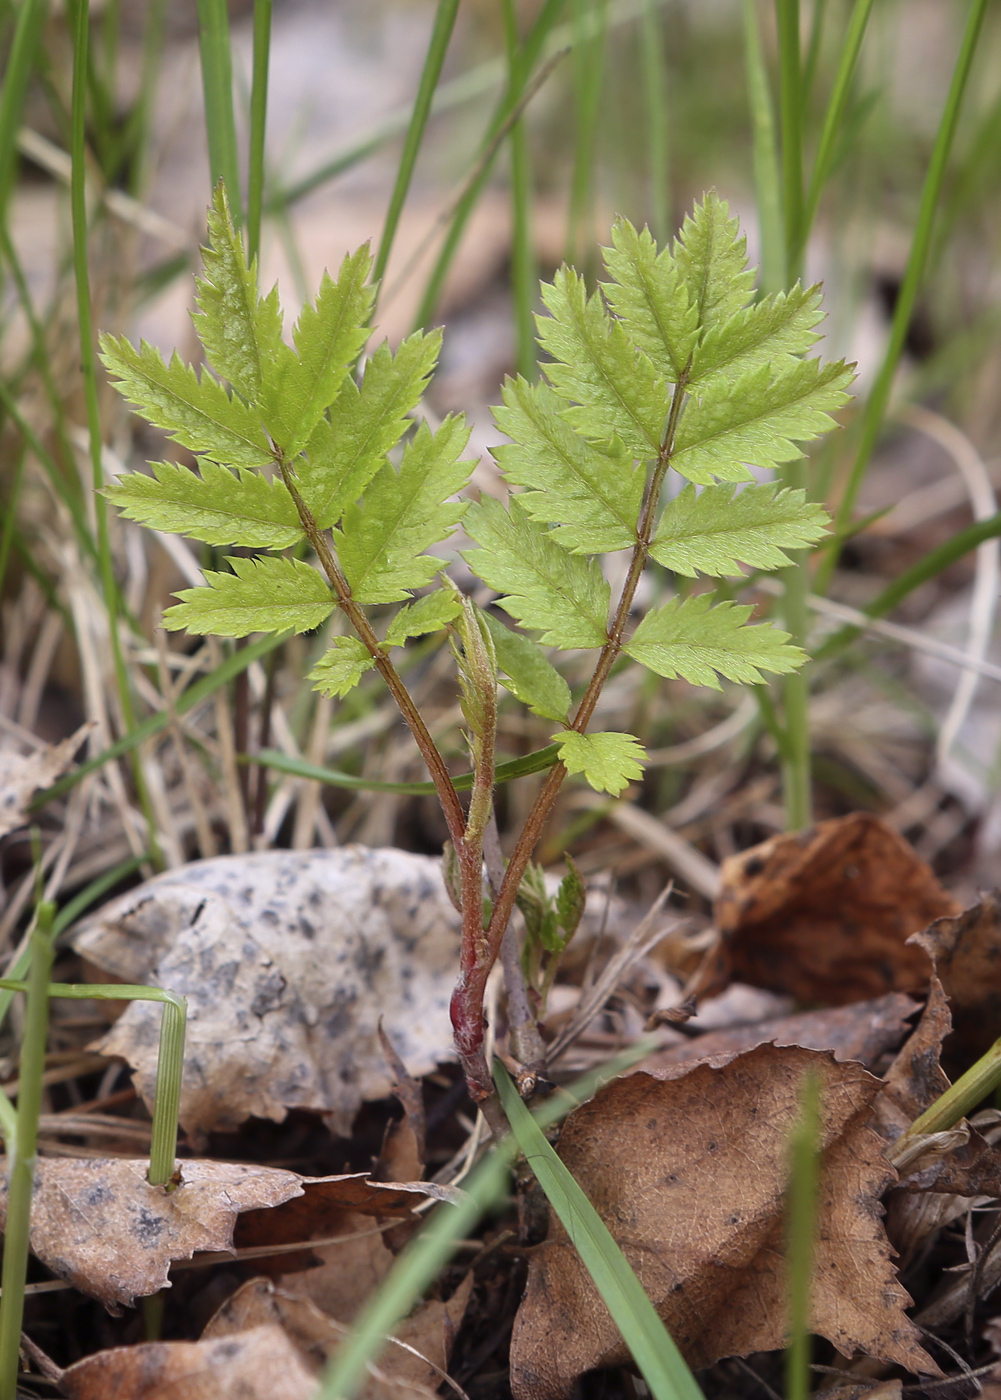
[100,1225]
[260,1364]
[22,775]
[411,1371]
[863,1031]
[825,914]
[966,951]
[288,960]
[689,1174]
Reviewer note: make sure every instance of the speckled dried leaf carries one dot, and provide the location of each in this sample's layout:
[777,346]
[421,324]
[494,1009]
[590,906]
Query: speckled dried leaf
[260,1364]
[688,1172]
[825,914]
[22,775]
[100,1225]
[288,960]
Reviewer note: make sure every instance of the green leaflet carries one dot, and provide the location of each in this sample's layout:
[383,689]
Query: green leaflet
[757,420]
[613,386]
[710,532]
[342,667]
[532,678]
[329,336]
[650,296]
[217,507]
[592,493]
[712,256]
[609,762]
[548,590]
[429,614]
[381,541]
[198,413]
[700,642]
[241,331]
[366,420]
[260,595]
[771,331]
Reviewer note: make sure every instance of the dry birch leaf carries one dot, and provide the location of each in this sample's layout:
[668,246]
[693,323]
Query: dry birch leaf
[689,1174]
[22,775]
[288,960]
[863,1031]
[100,1225]
[260,1364]
[824,915]
[966,952]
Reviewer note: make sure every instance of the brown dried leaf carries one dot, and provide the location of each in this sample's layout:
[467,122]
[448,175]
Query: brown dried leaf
[863,1031]
[399,1374]
[825,914]
[22,775]
[915,1079]
[100,1225]
[966,951]
[261,1364]
[288,960]
[689,1173]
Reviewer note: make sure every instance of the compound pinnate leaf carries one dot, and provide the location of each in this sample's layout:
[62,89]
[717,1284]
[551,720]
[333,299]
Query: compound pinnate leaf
[757,420]
[218,506]
[241,331]
[342,667]
[260,595]
[381,541]
[531,677]
[428,614]
[196,412]
[650,297]
[613,386]
[693,639]
[689,1172]
[329,335]
[609,762]
[710,532]
[366,420]
[712,256]
[546,589]
[592,493]
[770,331]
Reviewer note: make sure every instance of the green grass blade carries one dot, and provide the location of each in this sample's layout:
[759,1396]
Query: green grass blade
[801,1225]
[258,125]
[217,84]
[876,405]
[524,277]
[441,33]
[657,121]
[590,18]
[765,155]
[20,65]
[791,131]
[654,1351]
[537,762]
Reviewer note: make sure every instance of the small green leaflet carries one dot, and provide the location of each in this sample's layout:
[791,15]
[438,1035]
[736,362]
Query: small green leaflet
[429,614]
[532,678]
[198,413]
[609,762]
[592,493]
[381,541]
[344,453]
[329,336]
[770,331]
[712,256]
[650,297]
[710,532]
[342,667]
[217,507]
[546,589]
[260,595]
[758,420]
[241,331]
[613,386]
[693,639]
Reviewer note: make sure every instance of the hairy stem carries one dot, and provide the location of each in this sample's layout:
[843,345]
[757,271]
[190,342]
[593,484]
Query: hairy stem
[450,805]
